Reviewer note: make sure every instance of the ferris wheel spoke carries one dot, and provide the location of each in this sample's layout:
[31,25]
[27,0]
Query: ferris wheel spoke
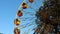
[32,8]
[26,25]
[36,4]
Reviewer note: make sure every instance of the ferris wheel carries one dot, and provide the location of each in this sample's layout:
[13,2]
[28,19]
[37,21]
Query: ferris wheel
[25,16]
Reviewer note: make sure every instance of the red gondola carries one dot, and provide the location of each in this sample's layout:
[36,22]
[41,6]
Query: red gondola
[19,13]
[31,1]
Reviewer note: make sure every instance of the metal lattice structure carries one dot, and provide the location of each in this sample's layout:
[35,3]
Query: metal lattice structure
[23,19]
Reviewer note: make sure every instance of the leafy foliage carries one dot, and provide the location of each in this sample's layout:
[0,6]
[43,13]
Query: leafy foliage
[48,17]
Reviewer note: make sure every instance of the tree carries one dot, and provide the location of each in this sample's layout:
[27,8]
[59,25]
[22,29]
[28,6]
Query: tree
[48,17]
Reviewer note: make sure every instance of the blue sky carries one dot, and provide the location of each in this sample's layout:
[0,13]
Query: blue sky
[8,9]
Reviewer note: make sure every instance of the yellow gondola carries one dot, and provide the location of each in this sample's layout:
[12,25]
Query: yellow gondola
[17,22]
[24,5]
[16,31]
